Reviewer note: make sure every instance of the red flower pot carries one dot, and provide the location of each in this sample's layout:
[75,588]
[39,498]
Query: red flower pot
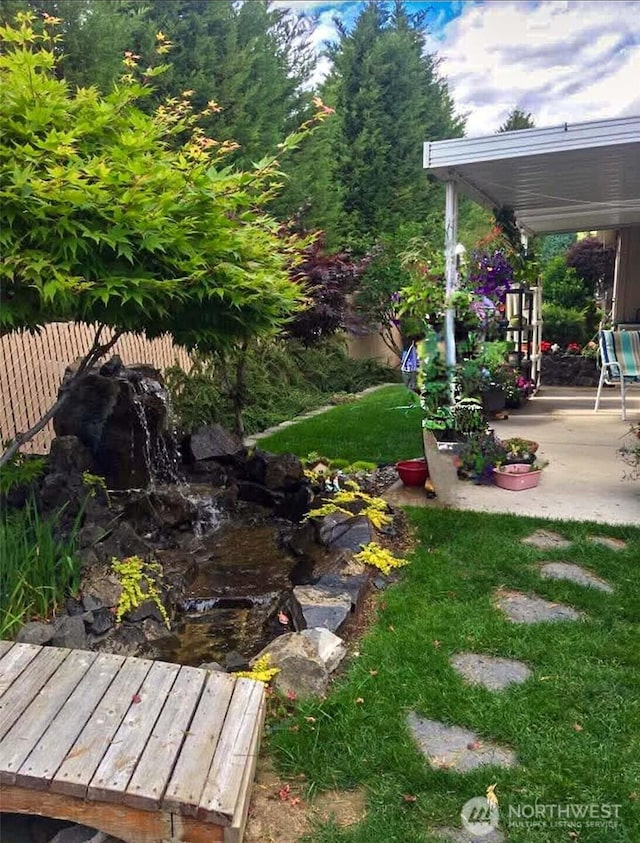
[413,472]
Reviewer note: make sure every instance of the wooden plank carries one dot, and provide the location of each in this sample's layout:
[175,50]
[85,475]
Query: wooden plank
[5,646]
[41,765]
[222,789]
[76,771]
[34,720]
[121,821]
[192,767]
[14,661]
[28,685]
[116,768]
[149,781]
[235,832]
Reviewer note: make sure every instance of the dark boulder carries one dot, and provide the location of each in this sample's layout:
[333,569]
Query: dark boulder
[212,442]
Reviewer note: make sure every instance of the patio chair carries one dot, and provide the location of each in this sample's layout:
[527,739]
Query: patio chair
[619,362]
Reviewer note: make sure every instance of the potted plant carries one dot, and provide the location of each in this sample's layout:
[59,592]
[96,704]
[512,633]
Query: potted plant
[479,456]
[517,450]
[517,476]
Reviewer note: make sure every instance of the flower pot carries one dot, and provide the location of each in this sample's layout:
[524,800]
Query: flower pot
[493,399]
[413,472]
[516,477]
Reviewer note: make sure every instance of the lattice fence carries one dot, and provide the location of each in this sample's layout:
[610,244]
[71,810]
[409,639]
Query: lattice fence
[31,370]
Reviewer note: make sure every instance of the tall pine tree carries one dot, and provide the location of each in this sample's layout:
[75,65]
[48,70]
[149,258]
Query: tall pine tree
[389,100]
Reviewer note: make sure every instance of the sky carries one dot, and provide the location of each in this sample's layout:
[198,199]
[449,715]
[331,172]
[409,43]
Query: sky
[563,61]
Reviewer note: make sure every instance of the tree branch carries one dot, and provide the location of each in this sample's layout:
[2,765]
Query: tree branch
[96,351]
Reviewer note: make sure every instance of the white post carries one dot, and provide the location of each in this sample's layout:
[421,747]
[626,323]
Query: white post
[451,275]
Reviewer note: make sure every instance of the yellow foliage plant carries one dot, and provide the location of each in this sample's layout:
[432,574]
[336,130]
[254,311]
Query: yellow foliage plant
[139,581]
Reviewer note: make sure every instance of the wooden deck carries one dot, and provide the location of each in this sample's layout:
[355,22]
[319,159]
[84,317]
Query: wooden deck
[143,750]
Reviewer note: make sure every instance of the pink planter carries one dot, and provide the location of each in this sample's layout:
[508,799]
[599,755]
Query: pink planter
[516,477]
[413,472]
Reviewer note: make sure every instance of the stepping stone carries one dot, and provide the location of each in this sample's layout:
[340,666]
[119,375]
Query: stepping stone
[573,573]
[523,608]
[608,542]
[546,540]
[459,835]
[494,673]
[451,747]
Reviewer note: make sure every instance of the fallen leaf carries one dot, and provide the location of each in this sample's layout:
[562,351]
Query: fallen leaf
[295,728]
[632,795]
[295,801]
[283,618]
[577,727]
[436,644]
[360,700]
[573,835]
[474,745]
[136,698]
[291,695]
[310,719]
[409,798]
[391,628]
[373,673]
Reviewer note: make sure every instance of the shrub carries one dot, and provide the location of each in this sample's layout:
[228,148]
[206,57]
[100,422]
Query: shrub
[282,380]
[563,286]
[563,325]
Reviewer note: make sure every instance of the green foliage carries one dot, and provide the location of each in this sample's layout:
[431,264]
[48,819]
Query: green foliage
[21,470]
[583,673]
[563,286]
[282,379]
[563,325]
[139,582]
[39,568]
[133,220]
[517,119]
[554,245]
[389,99]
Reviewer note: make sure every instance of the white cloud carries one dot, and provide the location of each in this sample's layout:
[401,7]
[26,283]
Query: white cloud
[562,61]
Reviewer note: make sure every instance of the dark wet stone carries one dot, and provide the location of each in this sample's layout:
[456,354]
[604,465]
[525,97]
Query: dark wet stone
[122,420]
[380,583]
[352,585]
[68,455]
[35,632]
[74,607]
[494,673]
[103,621]
[213,442]
[70,632]
[573,573]
[148,609]
[236,661]
[452,747]
[327,608]
[523,608]
[347,532]
[258,493]
[546,540]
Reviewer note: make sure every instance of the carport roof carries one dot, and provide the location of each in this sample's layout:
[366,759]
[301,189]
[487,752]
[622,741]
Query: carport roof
[574,177]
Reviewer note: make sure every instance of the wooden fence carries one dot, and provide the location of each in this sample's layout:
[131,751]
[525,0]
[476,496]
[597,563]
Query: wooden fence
[32,366]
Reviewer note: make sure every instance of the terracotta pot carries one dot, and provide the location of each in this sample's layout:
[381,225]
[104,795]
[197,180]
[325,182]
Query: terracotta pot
[413,472]
[516,477]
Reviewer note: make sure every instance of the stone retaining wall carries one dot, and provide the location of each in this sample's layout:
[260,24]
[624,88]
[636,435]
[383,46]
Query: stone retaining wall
[568,370]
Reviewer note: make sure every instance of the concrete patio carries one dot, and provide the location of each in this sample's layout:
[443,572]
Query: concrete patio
[584,478]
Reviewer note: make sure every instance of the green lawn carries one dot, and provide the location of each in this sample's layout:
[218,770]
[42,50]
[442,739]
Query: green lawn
[383,427]
[575,723]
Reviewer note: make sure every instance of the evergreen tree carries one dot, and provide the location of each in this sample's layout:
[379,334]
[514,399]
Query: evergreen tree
[389,100]
[517,119]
